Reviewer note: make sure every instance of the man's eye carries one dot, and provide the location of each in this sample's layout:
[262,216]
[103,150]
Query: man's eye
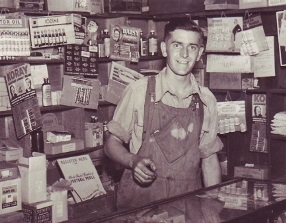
[176,45]
[193,47]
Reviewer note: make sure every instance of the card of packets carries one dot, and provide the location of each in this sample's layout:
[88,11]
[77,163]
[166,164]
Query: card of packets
[81,59]
[48,31]
[14,42]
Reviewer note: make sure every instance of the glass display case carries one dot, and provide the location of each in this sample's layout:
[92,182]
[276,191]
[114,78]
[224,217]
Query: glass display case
[239,200]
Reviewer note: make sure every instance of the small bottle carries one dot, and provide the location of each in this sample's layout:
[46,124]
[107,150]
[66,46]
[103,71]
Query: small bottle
[100,45]
[106,40]
[47,94]
[143,45]
[105,131]
[152,43]
[37,141]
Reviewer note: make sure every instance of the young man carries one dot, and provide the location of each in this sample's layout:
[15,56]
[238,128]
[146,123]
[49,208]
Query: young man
[181,129]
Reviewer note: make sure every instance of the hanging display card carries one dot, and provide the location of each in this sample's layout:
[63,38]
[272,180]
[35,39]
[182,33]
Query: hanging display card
[49,31]
[80,92]
[120,76]
[281,30]
[81,60]
[253,36]
[264,62]
[84,179]
[231,116]
[229,63]
[14,37]
[124,43]
[224,34]
[258,141]
[22,94]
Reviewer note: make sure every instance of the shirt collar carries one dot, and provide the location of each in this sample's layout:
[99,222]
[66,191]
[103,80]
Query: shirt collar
[162,86]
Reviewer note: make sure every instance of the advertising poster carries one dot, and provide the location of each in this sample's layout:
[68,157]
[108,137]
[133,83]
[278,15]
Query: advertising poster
[124,43]
[22,94]
[84,179]
[120,77]
[258,141]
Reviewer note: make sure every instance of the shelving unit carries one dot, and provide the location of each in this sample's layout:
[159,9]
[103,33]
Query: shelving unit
[235,144]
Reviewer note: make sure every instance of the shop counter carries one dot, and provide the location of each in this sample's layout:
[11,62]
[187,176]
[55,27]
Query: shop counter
[239,200]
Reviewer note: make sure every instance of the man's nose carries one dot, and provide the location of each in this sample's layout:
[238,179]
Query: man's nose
[185,52]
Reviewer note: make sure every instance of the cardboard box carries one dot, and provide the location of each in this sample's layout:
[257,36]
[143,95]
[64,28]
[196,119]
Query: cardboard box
[125,6]
[10,150]
[33,172]
[40,212]
[93,134]
[157,7]
[60,203]
[276,2]
[8,3]
[10,188]
[224,80]
[221,4]
[248,4]
[64,147]
[91,6]
[257,172]
[31,6]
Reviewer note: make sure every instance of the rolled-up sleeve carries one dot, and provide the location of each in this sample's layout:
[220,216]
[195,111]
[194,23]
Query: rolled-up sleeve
[122,122]
[210,143]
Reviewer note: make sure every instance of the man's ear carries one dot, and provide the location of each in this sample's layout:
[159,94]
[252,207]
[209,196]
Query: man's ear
[164,49]
[201,50]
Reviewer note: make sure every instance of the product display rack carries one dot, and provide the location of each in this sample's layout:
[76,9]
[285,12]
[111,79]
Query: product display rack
[235,144]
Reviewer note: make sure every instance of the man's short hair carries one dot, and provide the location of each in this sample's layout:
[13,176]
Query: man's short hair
[184,24]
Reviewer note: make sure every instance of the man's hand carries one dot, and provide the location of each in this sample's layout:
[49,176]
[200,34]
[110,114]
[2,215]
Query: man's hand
[144,170]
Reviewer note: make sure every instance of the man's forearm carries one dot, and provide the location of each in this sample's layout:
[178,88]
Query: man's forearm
[115,150]
[211,170]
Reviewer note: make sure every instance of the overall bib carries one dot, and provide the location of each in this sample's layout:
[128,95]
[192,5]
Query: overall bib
[171,141]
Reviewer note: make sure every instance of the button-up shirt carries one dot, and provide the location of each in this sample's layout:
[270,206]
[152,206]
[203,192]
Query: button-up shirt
[127,122]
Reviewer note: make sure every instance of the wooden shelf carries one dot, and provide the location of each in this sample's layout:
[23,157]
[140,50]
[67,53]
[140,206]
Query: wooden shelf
[73,153]
[55,108]
[277,137]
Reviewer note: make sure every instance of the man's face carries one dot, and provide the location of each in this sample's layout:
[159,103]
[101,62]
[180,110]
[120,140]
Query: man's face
[12,88]
[182,49]
[116,35]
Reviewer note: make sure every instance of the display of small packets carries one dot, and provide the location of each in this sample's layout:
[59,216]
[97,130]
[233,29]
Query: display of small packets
[231,115]
[224,34]
[48,31]
[253,36]
[14,37]
[278,124]
[81,60]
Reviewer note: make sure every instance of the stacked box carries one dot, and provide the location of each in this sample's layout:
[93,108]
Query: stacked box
[91,6]
[247,4]
[60,204]
[64,147]
[40,212]
[31,5]
[4,97]
[221,4]
[33,172]
[157,7]
[10,188]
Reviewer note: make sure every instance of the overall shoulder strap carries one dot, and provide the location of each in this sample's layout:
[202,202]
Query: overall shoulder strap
[150,95]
